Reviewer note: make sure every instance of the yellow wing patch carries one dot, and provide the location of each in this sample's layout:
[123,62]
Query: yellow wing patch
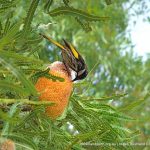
[57,44]
[75,53]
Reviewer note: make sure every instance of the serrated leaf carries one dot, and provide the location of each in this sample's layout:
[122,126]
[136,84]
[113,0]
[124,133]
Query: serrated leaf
[10,36]
[29,18]
[75,12]
[121,128]
[18,57]
[116,116]
[20,75]
[90,134]
[115,96]
[47,5]
[7,26]
[47,75]
[85,25]
[34,41]
[85,136]
[1,28]
[6,128]
[25,142]
[11,87]
[132,106]
[6,4]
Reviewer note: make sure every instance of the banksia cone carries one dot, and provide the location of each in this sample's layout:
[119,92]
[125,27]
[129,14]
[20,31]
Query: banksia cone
[55,91]
[7,145]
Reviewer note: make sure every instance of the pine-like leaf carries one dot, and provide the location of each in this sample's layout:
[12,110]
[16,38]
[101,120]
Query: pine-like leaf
[30,14]
[20,75]
[18,57]
[10,36]
[75,12]
[48,5]
[11,87]
[22,142]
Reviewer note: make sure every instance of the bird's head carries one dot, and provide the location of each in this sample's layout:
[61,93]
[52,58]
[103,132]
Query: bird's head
[72,60]
[60,68]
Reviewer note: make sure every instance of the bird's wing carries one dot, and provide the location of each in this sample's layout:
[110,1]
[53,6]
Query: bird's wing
[71,49]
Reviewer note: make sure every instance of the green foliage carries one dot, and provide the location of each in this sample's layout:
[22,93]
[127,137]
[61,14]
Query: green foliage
[108,2]
[66,2]
[86,26]
[9,86]
[30,15]
[78,14]
[99,111]
[6,5]
[20,75]
[75,12]
[10,34]
[47,5]
[46,74]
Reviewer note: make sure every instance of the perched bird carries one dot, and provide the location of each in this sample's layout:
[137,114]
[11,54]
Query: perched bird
[56,91]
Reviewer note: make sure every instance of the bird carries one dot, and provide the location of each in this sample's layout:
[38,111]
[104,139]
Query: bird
[56,91]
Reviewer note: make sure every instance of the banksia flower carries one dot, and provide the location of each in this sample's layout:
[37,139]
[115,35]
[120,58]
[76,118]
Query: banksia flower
[56,91]
[7,145]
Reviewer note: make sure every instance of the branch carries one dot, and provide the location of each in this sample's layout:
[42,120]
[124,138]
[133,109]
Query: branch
[25,101]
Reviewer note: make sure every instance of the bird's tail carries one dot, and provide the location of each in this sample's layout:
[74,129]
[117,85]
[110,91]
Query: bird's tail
[53,41]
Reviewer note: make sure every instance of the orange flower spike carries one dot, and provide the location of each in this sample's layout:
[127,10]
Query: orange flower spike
[55,91]
[7,145]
